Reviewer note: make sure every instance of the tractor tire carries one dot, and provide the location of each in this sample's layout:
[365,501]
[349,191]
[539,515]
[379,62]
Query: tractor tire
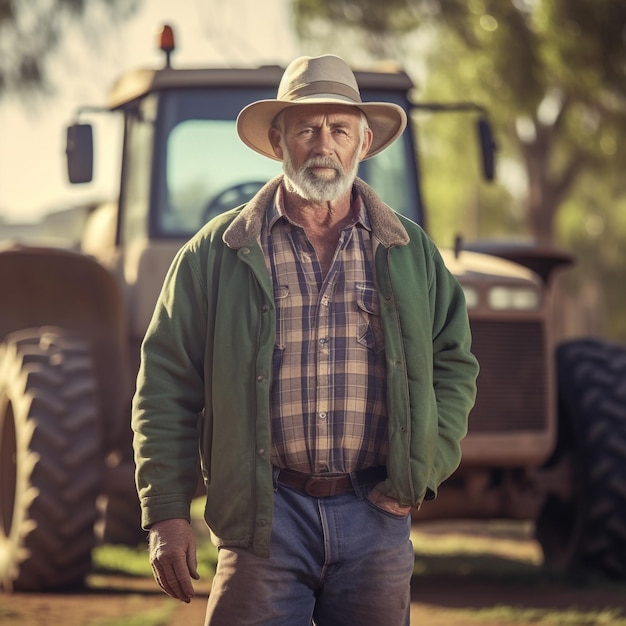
[587,532]
[51,460]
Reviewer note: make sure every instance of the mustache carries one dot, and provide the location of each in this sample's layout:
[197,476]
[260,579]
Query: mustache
[323,162]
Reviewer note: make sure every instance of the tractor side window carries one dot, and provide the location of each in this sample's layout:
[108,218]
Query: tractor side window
[137,166]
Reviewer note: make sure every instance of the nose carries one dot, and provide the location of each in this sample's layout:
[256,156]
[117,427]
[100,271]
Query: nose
[323,142]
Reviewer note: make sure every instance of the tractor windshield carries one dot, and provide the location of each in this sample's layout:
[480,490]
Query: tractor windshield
[205,169]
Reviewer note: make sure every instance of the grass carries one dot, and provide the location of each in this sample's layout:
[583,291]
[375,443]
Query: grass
[133,561]
[154,617]
[499,548]
[543,617]
[505,553]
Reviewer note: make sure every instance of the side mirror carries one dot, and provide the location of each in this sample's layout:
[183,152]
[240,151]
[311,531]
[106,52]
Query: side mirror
[487,148]
[79,153]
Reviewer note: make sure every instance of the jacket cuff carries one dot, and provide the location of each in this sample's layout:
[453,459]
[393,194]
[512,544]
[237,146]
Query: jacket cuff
[153,512]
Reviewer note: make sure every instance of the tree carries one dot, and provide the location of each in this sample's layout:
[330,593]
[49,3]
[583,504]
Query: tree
[31,29]
[552,71]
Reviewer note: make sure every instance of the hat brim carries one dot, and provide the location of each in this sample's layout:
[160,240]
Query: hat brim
[386,120]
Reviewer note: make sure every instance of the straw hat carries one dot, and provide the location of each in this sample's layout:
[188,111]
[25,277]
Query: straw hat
[319,80]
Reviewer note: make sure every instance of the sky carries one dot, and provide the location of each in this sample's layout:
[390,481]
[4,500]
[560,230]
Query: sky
[33,178]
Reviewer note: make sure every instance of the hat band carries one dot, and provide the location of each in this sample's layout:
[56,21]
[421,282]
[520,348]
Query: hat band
[321,87]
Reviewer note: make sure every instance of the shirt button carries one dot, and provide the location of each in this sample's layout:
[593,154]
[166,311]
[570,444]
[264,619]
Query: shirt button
[260,378]
[323,415]
[323,340]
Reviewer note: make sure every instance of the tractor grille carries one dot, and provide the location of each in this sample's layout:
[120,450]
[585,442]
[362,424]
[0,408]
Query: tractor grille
[512,384]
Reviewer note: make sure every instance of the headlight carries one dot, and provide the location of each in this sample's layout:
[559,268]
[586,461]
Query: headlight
[513,298]
[471,296]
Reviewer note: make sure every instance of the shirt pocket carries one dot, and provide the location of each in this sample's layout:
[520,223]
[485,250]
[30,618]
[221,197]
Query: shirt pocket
[281,301]
[370,332]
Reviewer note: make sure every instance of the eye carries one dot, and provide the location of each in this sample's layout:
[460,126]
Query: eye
[342,133]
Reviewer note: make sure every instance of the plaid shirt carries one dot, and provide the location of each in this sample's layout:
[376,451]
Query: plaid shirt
[328,404]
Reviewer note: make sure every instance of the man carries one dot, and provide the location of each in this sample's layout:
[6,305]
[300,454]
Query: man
[317,347]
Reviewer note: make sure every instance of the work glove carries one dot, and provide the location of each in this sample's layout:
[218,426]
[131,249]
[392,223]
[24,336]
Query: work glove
[172,548]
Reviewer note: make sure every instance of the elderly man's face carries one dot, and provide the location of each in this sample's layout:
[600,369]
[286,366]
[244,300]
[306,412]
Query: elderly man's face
[321,147]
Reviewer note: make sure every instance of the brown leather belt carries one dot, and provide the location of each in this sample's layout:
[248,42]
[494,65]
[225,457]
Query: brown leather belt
[320,486]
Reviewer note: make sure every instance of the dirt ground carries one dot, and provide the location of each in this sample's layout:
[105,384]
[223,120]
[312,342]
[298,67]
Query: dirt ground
[493,581]
[438,601]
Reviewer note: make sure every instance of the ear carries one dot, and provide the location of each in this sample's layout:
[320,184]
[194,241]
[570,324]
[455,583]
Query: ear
[275,139]
[368,137]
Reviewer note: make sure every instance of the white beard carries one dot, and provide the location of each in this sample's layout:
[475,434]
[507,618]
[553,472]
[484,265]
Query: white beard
[315,188]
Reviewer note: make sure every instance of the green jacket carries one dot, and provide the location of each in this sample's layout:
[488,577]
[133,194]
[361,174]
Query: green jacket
[207,364]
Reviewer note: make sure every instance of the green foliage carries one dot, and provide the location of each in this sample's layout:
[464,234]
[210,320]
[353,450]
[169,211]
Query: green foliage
[373,16]
[30,31]
[593,223]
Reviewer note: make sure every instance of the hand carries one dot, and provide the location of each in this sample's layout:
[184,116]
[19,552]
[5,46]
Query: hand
[387,503]
[172,548]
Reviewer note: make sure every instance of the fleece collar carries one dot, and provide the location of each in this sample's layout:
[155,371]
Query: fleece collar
[246,227]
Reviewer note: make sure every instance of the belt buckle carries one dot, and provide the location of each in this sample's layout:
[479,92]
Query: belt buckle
[319,487]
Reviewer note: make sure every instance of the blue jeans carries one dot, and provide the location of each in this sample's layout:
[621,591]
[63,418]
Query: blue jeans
[336,561]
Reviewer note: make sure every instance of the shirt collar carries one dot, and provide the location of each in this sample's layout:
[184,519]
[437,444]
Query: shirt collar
[277,209]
